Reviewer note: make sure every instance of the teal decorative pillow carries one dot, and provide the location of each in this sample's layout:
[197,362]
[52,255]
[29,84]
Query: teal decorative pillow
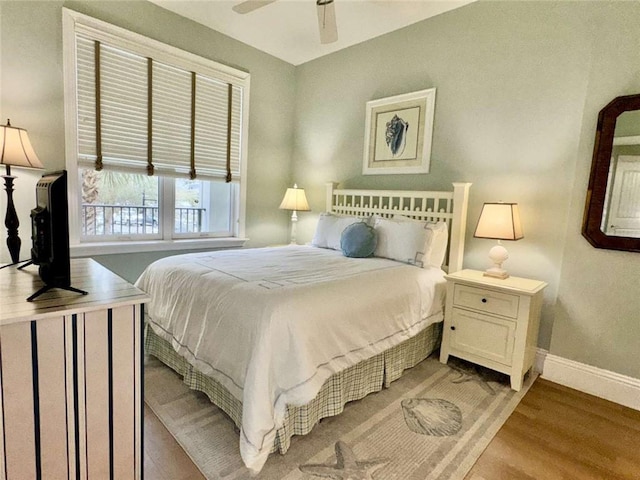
[358,240]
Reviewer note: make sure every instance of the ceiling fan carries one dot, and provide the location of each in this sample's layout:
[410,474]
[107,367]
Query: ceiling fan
[326,16]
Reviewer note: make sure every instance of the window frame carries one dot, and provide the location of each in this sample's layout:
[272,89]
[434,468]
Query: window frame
[74,22]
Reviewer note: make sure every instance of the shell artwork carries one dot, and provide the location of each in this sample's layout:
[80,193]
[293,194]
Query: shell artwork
[396,135]
[432,416]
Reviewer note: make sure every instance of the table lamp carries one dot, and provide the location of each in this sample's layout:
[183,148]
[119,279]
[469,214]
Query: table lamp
[499,221]
[15,151]
[295,200]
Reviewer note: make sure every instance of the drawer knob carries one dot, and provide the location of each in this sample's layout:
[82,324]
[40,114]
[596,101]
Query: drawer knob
[484,300]
[453,327]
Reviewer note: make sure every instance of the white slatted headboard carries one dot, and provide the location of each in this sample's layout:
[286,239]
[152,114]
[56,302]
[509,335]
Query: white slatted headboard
[448,206]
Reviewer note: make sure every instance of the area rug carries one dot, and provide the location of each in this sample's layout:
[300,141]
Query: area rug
[433,423]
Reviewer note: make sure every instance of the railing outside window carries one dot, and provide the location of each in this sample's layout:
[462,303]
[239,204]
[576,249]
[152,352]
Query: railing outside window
[103,219]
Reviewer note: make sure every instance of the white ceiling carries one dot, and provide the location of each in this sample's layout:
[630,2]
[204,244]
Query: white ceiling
[288,29]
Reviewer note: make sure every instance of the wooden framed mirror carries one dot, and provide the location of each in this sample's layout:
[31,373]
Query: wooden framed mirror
[612,211]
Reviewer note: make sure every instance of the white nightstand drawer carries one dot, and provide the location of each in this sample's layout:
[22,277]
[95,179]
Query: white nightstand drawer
[482,335]
[485,300]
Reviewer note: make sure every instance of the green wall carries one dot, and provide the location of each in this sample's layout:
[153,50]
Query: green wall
[519,86]
[597,310]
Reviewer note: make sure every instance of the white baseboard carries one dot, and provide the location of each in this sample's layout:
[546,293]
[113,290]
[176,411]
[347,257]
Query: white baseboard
[585,378]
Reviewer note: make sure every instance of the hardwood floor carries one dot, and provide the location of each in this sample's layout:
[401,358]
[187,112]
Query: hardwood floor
[555,433]
[164,458]
[560,433]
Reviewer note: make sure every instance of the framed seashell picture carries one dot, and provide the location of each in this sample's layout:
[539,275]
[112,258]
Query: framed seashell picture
[398,133]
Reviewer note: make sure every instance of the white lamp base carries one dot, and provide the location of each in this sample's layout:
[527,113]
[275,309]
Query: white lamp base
[497,254]
[496,273]
[294,221]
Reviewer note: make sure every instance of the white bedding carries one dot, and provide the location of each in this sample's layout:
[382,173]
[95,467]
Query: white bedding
[272,324]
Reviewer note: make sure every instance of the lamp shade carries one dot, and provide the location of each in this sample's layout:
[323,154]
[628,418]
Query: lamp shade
[295,199]
[500,221]
[16,149]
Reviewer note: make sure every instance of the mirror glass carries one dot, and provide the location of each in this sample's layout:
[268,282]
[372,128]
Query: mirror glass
[621,215]
[612,211]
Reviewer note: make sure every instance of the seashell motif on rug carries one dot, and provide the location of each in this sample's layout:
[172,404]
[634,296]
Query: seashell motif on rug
[432,416]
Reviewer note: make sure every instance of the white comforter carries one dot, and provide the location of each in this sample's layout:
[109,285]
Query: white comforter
[272,324]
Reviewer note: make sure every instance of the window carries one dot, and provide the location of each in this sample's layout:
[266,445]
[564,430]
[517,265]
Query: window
[156,137]
[115,204]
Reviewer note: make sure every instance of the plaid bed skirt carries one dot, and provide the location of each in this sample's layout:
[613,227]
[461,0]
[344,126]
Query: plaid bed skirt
[350,384]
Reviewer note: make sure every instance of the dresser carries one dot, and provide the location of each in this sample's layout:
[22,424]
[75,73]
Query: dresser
[71,376]
[492,322]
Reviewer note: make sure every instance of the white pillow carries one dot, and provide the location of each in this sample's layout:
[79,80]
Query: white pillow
[436,240]
[329,230]
[406,240]
[439,240]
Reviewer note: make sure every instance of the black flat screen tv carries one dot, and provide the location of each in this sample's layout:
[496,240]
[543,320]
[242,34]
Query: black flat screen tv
[50,233]
[50,230]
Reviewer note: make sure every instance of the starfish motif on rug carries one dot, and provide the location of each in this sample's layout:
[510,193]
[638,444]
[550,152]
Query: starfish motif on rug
[348,467]
[474,374]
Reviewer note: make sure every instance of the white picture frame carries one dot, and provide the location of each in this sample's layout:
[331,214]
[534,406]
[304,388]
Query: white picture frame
[398,134]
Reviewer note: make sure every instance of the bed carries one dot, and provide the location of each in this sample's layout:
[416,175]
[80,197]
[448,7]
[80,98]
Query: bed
[281,337]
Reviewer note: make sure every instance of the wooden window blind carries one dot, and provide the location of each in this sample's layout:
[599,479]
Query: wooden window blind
[140,115]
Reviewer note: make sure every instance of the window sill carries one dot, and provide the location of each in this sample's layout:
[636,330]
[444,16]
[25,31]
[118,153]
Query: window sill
[107,248]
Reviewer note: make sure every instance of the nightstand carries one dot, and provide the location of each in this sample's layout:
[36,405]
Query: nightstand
[492,322]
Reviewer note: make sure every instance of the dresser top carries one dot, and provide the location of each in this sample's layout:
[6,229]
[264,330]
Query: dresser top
[105,289]
[517,284]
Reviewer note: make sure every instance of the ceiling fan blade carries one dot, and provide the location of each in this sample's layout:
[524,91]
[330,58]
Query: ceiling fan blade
[327,21]
[250,5]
